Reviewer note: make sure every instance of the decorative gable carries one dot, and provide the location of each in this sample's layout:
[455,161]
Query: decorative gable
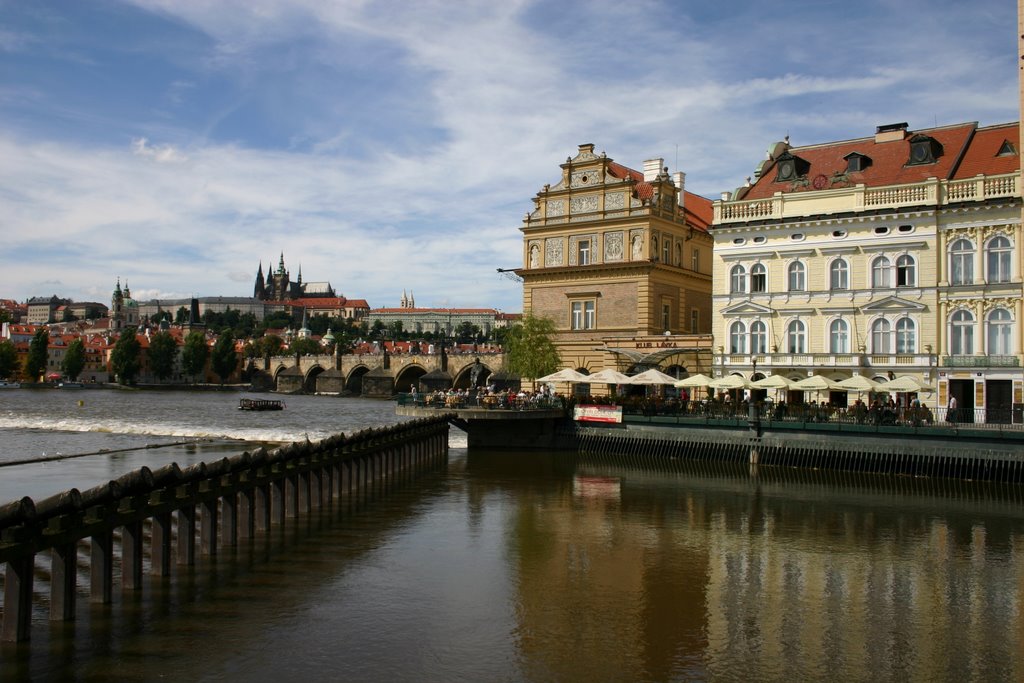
[893,303]
[746,308]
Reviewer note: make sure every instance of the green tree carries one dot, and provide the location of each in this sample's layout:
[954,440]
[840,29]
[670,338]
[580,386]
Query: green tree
[35,364]
[305,347]
[8,358]
[74,360]
[269,345]
[163,350]
[224,360]
[181,316]
[193,354]
[278,320]
[124,359]
[529,347]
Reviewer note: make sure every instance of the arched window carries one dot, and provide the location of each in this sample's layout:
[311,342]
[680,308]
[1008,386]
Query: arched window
[737,338]
[679,255]
[839,274]
[880,276]
[906,271]
[797,277]
[839,337]
[758,278]
[796,335]
[1000,331]
[666,251]
[738,279]
[758,337]
[998,257]
[961,333]
[906,336]
[881,338]
[961,262]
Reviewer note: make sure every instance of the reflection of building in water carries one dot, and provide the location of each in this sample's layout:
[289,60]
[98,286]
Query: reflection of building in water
[714,577]
[607,559]
[857,592]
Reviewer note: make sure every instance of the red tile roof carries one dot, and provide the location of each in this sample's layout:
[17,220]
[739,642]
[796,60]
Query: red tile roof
[982,156]
[698,210]
[888,161]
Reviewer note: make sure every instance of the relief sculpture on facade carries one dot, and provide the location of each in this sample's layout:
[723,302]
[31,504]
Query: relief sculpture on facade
[553,252]
[613,246]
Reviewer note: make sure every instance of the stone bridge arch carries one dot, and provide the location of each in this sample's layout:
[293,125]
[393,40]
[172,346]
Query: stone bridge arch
[354,381]
[408,376]
[309,378]
[472,375]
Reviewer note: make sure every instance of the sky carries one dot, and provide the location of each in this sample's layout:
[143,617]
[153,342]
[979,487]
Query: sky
[389,146]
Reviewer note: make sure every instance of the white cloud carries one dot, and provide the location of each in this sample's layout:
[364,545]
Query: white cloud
[419,132]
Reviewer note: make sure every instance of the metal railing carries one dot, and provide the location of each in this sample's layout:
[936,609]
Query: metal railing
[999,419]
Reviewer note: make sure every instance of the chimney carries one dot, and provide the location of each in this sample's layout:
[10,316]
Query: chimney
[652,167]
[892,132]
[679,178]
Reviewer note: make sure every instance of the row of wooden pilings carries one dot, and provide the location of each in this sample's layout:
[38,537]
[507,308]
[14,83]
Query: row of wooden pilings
[203,506]
[889,456]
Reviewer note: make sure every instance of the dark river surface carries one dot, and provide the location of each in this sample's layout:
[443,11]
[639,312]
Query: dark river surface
[513,566]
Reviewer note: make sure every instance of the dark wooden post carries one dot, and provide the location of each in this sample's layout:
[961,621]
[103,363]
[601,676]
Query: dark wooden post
[208,527]
[131,556]
[101,583]
[277,500]
[187,534]
[160,545]
[229,518]
[63,581]
[18,598]
[247,513]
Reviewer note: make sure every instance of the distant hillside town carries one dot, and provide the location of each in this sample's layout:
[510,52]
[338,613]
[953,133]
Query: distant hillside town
[284,317]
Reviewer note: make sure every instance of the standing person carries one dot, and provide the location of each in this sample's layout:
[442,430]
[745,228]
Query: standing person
[951,409]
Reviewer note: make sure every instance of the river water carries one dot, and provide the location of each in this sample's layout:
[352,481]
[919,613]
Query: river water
[511,566]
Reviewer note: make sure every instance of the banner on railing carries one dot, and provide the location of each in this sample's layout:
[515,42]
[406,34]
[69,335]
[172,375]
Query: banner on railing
[596,413]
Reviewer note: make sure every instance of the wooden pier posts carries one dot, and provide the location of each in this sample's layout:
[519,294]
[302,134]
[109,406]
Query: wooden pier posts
[212,504]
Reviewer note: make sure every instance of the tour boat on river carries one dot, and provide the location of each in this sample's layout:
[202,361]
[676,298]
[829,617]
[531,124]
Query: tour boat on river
[260,404]
[4,384]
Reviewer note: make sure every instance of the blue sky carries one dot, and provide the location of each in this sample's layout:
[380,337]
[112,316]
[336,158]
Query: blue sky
[388,146]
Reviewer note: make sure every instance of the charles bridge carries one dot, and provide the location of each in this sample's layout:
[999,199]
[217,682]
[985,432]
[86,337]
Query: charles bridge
[374,374]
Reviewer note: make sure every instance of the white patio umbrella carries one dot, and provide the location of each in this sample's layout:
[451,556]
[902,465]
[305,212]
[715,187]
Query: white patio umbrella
[730,382]
[564,375]
[773,382]
[858,383]
[608,376]
[906,383]
[816,383]
[692,381]
[652,376]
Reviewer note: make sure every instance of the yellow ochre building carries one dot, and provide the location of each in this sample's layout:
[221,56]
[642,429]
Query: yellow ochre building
[883,256]
[620,260]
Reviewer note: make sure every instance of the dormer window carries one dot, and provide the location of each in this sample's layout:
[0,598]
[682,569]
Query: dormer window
[790,168]
[1007,149]
[924,150]
[856,162]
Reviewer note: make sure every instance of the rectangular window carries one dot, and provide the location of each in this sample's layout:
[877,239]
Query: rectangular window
[583,315]
[695,259]
[583,252]
[666,317]
[694,320]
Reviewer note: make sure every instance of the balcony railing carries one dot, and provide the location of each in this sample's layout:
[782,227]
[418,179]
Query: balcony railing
[981,361]
[857,198]
[828,360]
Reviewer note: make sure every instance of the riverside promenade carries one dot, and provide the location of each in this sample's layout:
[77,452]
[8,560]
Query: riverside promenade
[910,444]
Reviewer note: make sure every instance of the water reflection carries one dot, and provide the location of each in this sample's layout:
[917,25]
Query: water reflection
[548,567]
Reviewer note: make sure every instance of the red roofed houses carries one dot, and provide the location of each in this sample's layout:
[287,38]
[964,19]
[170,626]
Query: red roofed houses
[621,261]
[896,254]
